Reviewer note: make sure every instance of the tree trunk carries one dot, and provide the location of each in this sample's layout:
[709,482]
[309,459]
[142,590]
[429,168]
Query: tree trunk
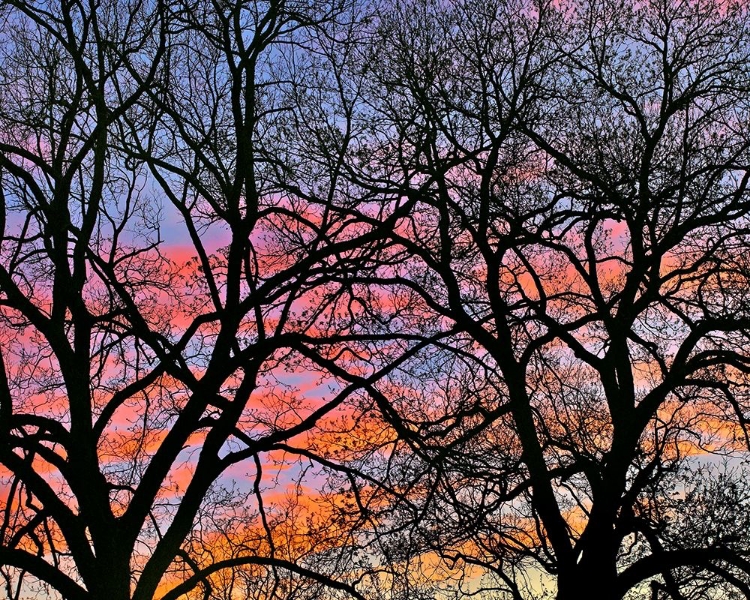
[588,583]
[112,578]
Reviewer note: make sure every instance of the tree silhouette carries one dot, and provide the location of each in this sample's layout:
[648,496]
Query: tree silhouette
[503,242]
[580,177]
[135,373]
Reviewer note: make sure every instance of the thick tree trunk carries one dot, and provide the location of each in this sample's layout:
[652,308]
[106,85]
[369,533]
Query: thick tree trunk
[585,584]
[112,578]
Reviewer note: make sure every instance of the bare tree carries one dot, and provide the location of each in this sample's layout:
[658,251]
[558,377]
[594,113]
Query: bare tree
[132,379]
[580,178]
[510,237]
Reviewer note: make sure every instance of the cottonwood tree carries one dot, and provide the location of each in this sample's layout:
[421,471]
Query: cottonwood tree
[136,375]
[580,178]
